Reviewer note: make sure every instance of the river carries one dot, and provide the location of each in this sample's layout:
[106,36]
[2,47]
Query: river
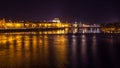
[59,51]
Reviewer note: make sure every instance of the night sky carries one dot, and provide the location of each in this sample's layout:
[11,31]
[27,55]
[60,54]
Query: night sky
[93,11]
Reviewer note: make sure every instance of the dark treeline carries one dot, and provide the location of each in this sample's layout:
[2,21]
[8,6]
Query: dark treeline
[114,25]
[110,27]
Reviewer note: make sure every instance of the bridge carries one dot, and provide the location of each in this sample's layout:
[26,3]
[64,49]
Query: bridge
[85,28]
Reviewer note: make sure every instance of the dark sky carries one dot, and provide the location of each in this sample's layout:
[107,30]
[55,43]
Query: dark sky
[93,11]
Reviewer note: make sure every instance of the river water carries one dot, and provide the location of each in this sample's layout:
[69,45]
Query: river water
[59,51]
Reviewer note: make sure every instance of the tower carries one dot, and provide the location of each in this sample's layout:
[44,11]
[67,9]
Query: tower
[56,20]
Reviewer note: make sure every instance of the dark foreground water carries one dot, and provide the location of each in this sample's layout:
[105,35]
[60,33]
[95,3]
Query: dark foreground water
[59,51]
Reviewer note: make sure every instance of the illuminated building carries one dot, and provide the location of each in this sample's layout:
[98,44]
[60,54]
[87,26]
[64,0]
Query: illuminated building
[28,24]
[56,20]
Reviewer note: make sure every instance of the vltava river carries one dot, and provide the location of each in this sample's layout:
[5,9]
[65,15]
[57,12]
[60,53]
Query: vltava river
[59,51]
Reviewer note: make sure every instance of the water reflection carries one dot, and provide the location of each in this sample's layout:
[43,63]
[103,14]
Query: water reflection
[57,51]
[96,60]
[94,46]
[60,51]
[111,51]
[84,50]
[74,49]
[33,50]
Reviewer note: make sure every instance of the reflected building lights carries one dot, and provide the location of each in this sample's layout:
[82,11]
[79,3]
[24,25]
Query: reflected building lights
[94,44]
[26,42]
[19,44]
[53,32]
[83,49]
[22,47]
[112,51]
[94,47]
[34,44]
[60,50]
[74,47]
[45,48]
[74,44]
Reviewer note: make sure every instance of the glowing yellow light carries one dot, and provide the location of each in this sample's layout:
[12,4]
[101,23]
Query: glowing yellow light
[9,25]
[18,25]
[34,25]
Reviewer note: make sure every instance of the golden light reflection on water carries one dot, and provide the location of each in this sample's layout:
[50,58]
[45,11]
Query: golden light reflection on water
[19,50]
[60,50]
[53,51]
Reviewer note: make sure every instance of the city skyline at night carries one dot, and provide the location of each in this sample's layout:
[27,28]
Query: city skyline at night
[91,11]
[59,34]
